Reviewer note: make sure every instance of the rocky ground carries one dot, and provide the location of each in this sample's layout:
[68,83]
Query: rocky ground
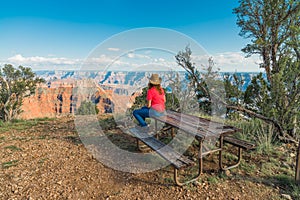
[48,161]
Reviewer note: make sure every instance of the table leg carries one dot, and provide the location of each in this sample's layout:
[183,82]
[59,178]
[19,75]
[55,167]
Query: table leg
[156,131]
[200,156]
[137,143]
[221,157]
[200,168]
[220,153]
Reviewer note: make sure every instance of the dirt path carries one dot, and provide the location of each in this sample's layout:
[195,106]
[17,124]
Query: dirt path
[48,161]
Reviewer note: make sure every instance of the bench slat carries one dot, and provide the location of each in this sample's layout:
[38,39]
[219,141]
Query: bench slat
[239,143]
[169,154]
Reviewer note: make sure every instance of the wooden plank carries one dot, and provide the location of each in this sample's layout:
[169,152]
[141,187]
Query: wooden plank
[206,124]
[189,128]
[187,117]
[199,120]
[239,143]
[165,151]
[197,126]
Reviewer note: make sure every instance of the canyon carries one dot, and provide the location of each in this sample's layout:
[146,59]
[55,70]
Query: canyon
[62,98]
[112,92]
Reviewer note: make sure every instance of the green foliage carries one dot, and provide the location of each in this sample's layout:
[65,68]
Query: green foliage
[289,185]
[258,132]
[87,108]
[181,96]
[256,95]
[17,124]
[286,94]
[140,100]
[9,164]
[234,94]
[275,102]
[15,84]
[233,88]
[183,59]
[13,148]
[273,27]
[205,84]
[108,123]
[172,102]
[213,180]
[249,168]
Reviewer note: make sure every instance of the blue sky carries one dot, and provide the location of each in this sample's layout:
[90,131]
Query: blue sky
[54,34]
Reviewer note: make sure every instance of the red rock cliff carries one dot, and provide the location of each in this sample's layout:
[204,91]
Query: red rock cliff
[63,98]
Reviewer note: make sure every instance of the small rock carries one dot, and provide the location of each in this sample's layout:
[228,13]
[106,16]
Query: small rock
[196,183]
[227,172]
[284,164]
[292,155]
[286,196]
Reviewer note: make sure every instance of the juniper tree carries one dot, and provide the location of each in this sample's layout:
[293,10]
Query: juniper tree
[15,85]
[273,28]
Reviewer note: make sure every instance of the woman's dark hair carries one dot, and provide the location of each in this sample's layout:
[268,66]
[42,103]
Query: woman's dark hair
[157,87]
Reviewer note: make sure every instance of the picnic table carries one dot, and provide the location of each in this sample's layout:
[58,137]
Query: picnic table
[200,129]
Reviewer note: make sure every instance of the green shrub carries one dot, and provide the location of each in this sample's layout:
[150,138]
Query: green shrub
[108,123]
[87,108]
[257,131]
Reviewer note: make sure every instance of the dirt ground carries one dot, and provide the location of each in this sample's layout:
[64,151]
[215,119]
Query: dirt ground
[48,161]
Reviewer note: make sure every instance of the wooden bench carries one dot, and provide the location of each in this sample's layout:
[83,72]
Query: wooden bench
[177,160]
[240,144]
[198,128]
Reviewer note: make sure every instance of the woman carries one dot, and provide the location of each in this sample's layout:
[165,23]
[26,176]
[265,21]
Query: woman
[155,101]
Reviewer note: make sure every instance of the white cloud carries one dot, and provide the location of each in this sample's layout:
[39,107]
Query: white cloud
[236,61]
[230,62]
[138,56]
[129,62]
[39,62]
[227,62]
[130,55]
[113,49]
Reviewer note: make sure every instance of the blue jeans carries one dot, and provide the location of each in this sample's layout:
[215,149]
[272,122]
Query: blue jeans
[145,112]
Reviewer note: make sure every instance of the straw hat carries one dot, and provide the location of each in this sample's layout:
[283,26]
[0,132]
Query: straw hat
[155,79]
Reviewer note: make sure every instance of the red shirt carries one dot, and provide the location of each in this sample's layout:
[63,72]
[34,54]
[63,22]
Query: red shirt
[157,100]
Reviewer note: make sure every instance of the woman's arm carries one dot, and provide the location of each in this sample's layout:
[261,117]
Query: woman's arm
[149,103]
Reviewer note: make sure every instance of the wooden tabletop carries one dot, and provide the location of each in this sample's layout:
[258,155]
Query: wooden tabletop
[198,126]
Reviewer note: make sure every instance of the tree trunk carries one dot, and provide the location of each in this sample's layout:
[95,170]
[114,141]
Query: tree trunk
[7,115]
[297,175]
[7,112]
[295,126]
[242,109]
[252,113]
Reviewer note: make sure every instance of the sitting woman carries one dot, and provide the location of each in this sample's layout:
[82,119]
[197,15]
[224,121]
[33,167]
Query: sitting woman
[155,101]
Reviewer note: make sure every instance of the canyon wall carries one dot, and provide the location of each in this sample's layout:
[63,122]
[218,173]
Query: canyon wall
[61,98]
